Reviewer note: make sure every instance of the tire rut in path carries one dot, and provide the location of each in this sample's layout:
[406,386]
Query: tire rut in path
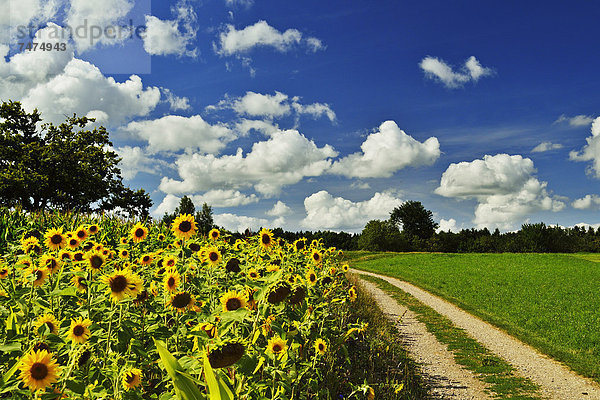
[556,381]
[445,378]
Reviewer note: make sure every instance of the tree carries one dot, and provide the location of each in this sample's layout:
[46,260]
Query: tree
[380,235]
[66,167]
[204,219]
[414,219]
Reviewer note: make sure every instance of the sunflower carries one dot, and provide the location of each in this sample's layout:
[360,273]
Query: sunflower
[276,345]
[272,268]
[146,259]
[132,378]
[161,237]
[123,253]
[52,263]
[124,241]
[253,274]
[138,233]
[214,234]
[49,320]
[195,247]
[25,263]
[79,331]
[55,240]
[332,270]
[170,261]
[78,256]
[208,328]
[4,271]
[73,243]
[182,300]
[320,346]
[95,260]
[345,267]
[171,280]
[39,370]
[184,226]
[213,256]
[226,355]
[277,292]
[233,300]
[233,265]
[266,239]
[352,293]
[316,256]
[30,244]
[40,275]
[93,229]
[81,233]
[297,295]
[300,244]
[80,283]
[311,277]
[65,255]
[121,284]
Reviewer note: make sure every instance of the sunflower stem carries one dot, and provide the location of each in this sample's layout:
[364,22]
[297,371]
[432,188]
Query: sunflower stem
[110,318]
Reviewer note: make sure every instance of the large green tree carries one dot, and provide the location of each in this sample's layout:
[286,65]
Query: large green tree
[204,218]
[414,219]
[66,167]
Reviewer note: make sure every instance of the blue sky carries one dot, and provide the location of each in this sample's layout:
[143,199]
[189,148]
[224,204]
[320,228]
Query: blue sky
[484,112]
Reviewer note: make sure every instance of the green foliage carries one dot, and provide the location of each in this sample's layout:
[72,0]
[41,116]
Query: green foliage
[382,236]
[66,167]
[414,219]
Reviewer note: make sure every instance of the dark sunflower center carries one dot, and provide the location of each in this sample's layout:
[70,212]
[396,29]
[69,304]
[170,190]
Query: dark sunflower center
[65,256]
[124,253]
[56,239]
[316,256]
[3,271]
[78,330]
[73,242]
[93,229]
[185,226]
[96,262]
[38,275]
[276,348]
[78,256]
[312,277]
[170,263]
[171,282]
[213,256]
[118,284]
[321,347]
[39,371]
[146,258]
[139,232]
[50,326]
[300,245]
[80,234]
[266,239]
[194,247]
[41,346]
[51,263]
[215,235]
[253,274]
[130,378]
[181,300]
[233,304]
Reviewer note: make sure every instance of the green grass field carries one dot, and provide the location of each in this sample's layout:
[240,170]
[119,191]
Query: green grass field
[551,301]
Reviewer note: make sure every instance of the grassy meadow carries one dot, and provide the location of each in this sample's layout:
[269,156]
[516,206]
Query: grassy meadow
[550,301]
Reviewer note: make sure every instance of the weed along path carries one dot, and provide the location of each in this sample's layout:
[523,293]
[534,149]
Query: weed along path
[555,380]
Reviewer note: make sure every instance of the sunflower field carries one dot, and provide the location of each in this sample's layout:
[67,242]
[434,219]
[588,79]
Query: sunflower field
[109,309]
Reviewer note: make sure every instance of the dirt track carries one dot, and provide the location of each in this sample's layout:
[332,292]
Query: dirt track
[555,380]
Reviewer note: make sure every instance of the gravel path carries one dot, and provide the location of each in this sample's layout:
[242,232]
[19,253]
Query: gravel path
[555,380]
[446,379]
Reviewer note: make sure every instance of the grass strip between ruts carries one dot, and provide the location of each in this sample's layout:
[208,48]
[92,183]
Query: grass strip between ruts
[500,376]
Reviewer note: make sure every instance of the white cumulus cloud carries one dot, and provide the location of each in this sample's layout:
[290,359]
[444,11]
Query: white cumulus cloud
[587,202]
[175,36]
[447,225]
[386,151]
[437,69]
[284,159]
[135,160]
[280,209]
[261,34]
[504,187]
[223,198]
[591,151]
[239,223]
[174,132]
[323,211]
